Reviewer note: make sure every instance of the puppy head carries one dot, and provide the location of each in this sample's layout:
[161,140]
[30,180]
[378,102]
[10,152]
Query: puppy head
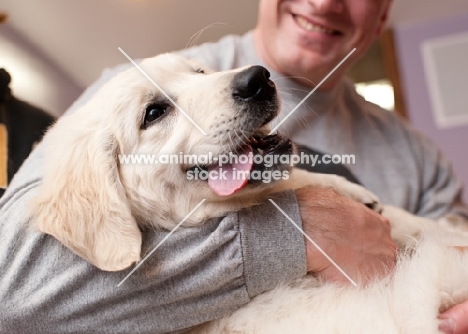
[93,201]
[215,114]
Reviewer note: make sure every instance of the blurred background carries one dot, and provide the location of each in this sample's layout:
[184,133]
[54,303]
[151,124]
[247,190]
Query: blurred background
[55,49]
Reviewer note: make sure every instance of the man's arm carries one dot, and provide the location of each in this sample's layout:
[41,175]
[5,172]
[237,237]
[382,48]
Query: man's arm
[441,189]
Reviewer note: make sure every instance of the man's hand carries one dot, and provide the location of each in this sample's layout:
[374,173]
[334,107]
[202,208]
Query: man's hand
[455,320]
[355,237]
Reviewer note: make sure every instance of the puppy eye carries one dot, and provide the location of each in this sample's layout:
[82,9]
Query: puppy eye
[199,70]
[154,112]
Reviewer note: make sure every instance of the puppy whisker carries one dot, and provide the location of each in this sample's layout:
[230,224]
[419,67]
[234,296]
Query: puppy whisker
[233,147]
[196,36]
[294,77]
[242,137]
[283,92]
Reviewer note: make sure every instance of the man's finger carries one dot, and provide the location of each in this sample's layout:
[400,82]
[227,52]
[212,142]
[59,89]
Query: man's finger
[455,319]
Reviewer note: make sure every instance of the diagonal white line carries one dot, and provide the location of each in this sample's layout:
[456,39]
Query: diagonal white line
[161,242]
[313,243]
[167,96]
[312,92]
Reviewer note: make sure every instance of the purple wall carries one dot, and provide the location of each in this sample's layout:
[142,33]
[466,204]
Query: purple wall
[408,39]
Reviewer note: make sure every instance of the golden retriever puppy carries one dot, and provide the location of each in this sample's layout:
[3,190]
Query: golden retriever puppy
[95,203]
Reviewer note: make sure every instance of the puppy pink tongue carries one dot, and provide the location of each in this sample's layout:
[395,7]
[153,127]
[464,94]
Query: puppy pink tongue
[230,177]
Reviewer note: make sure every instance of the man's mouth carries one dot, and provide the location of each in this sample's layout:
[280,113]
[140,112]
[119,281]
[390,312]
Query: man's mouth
[309,26]
[236,171]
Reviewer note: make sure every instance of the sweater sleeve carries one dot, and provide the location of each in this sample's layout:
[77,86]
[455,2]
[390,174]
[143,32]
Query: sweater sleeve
[197,275]
[442,189]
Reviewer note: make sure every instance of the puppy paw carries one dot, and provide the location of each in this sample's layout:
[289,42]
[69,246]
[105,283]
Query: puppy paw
[361,195]
[375,206]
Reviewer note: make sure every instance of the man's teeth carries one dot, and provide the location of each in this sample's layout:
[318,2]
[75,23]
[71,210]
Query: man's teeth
[311,27]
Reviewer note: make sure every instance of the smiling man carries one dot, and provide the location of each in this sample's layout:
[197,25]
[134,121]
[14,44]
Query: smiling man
[309,38]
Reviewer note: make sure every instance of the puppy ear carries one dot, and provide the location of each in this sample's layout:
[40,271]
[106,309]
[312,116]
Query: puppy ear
[82,202]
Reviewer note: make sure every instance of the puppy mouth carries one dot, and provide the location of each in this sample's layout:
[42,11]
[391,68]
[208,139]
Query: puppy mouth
[234,170]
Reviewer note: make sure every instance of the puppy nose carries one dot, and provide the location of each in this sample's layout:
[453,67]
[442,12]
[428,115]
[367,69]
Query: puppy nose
[253,83]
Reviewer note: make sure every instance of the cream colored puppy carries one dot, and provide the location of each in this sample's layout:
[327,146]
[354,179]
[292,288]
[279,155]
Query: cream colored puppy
[95,204]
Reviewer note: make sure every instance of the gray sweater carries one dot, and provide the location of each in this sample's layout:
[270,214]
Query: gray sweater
[206,272]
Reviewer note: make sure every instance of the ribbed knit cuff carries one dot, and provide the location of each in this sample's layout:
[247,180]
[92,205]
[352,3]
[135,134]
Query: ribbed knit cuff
[272,247]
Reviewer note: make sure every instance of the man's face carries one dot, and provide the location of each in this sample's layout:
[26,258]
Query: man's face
[310,37]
